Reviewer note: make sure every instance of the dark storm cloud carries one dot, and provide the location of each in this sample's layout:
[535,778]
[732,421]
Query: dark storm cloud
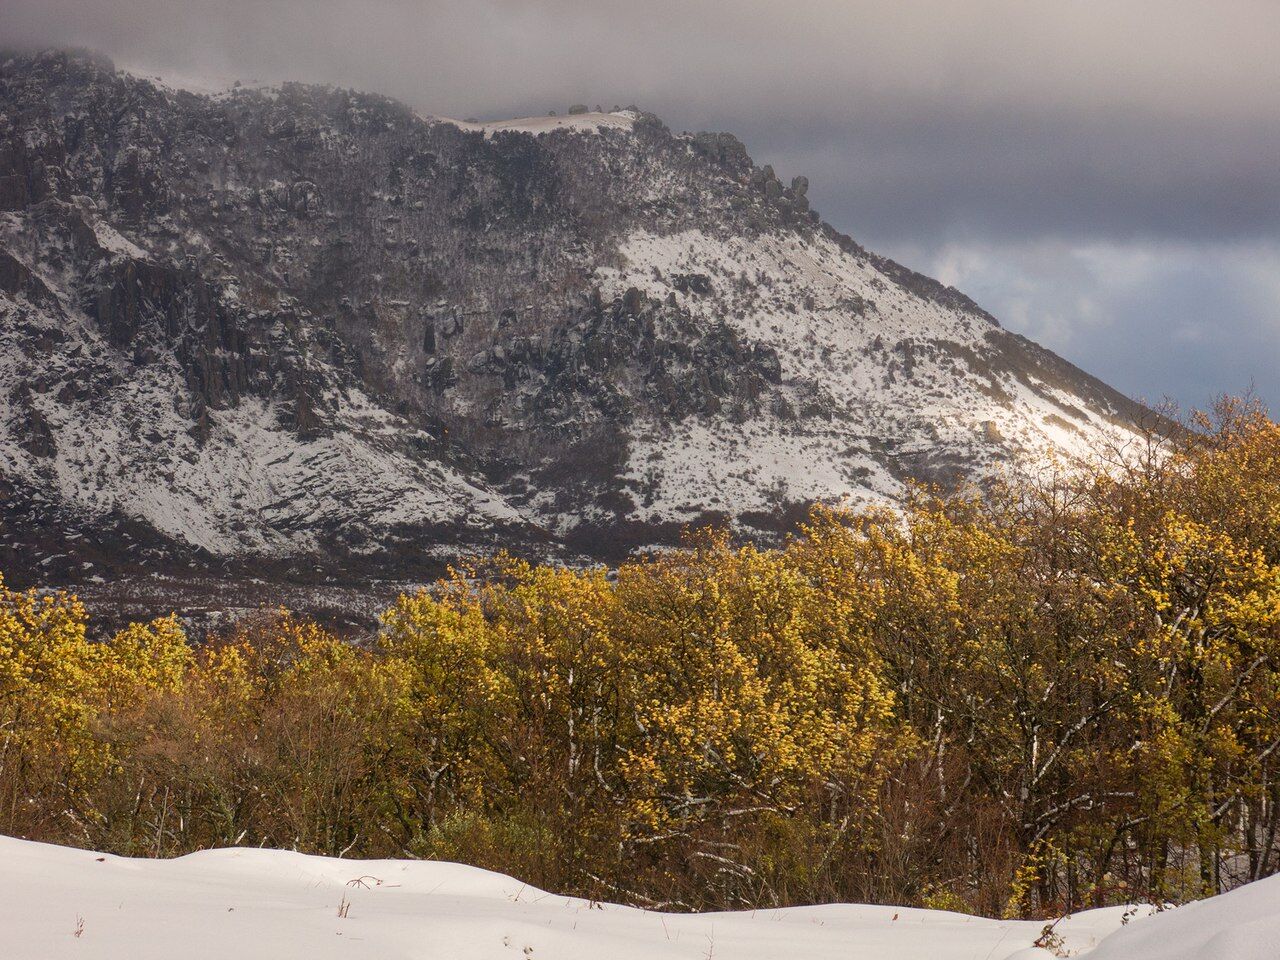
[939,132]
[1023,173]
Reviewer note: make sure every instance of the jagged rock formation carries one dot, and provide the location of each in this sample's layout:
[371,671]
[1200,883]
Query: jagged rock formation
[301,327]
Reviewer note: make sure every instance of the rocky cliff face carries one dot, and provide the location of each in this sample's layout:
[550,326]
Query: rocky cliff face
[300,328]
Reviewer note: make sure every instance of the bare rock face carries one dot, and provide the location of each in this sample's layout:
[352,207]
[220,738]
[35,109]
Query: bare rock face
[301,329]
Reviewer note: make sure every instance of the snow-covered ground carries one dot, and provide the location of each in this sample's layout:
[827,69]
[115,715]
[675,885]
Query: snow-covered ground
[247,904]
[1241,925]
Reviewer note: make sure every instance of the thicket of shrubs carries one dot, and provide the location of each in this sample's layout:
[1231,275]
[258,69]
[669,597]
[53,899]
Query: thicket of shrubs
[1063,693]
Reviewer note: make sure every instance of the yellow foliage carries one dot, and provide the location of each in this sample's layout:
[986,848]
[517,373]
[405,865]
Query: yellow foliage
[1052,695]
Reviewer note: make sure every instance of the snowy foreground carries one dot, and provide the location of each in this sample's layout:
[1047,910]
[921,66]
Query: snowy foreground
[247,904]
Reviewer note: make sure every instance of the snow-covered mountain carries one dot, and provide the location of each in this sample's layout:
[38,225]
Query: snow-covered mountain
[306,327]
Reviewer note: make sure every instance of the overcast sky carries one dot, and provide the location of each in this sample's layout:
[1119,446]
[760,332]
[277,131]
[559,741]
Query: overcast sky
[1102,176]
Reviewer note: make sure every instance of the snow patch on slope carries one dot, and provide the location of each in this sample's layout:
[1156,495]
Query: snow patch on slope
[250,466]
[114,242]
[176,81]
[591,122]
[696,467]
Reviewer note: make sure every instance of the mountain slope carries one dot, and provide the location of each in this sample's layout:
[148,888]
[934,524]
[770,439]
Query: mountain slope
[302,327]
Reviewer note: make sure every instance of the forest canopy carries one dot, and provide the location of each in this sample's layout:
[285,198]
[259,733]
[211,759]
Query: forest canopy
[1061,692]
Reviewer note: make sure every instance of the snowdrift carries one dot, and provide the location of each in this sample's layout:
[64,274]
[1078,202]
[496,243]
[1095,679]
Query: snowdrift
[249,904]
[1241,925]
